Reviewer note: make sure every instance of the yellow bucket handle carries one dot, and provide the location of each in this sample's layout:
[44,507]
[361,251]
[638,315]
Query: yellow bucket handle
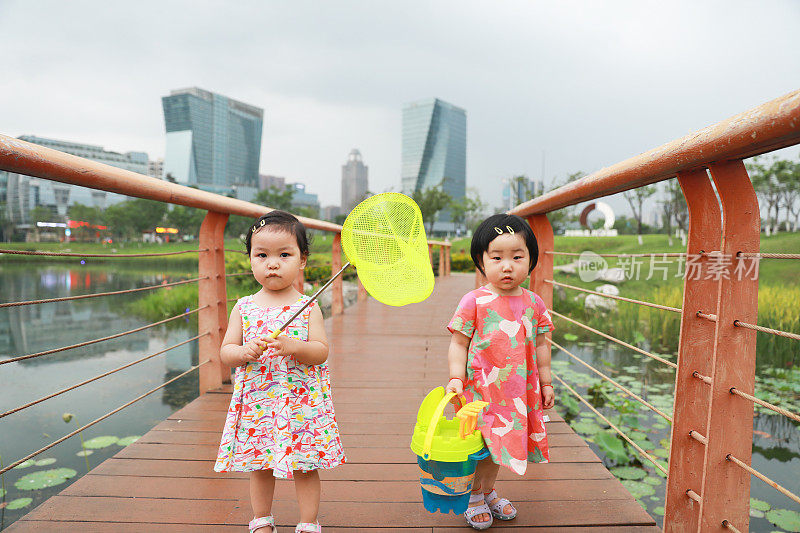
[434,422]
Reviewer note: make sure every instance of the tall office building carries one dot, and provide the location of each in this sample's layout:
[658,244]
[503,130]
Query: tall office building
[355,175]
[520,189]
[435,149]
[213,142]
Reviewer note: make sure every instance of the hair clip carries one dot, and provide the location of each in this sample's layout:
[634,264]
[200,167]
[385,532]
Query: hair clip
[510,229]
[498,230]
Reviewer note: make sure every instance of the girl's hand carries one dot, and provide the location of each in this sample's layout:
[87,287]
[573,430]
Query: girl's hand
[455,385]
[282,345]
[548,396]
[251,351]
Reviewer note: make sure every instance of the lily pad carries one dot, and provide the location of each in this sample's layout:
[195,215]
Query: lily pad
[653,481]
[570,337]
[46,461]
[658,510]
[100,442]
[2,492]
[628,472]
[127,441]
[784,518]
[586,427]
[84,453]
[19,503]
[755,513]
[637,488]
[25,464]
[759,505]
[44,478]
[611,446]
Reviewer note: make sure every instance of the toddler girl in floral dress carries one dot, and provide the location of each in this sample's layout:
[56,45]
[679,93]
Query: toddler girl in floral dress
[498,354]
[281,421]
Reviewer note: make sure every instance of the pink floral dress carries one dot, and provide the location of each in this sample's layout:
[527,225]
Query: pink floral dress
[501,370]
[281,414]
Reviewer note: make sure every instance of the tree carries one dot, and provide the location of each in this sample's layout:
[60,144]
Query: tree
[186,219]
[561,217]
[466,209]
[674,206]
[6,226]
[431,201]
[767,188]
[131,218]
[275,197]
[787,174]
[41,213]
[636,198]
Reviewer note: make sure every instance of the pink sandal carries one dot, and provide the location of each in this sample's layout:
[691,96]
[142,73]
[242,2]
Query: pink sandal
[264,521]
[308,527]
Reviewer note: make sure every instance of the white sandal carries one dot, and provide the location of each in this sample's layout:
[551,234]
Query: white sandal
[499,506]
[264,521]
[471,512]
[308,527]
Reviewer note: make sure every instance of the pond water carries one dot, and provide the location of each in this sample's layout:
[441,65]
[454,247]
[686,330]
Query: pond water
[34,328]
[776,443]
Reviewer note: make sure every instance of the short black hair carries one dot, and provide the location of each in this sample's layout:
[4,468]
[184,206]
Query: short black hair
[486,233]
[284,221]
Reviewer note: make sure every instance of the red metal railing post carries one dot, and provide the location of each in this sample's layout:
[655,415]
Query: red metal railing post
[212,301]
[544,266]
[726,487]
[337,300]
[447,260]
[687,455]
[441,261]
[430,253]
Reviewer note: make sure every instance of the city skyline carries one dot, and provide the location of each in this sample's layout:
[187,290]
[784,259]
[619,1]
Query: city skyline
[580,85]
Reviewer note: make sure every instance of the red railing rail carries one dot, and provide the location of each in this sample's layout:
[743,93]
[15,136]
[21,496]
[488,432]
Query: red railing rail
[708,483]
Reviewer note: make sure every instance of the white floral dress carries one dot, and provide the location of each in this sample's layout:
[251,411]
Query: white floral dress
[281,414]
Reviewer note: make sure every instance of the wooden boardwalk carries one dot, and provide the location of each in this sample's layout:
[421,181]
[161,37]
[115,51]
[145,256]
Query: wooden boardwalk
[383,362]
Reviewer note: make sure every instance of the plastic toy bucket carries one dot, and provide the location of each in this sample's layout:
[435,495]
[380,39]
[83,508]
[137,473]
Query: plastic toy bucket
[446,461]
[446,485]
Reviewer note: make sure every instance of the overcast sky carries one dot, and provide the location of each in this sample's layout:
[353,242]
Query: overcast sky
[582,84]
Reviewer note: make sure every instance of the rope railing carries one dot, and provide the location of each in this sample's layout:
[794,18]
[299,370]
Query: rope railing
[615,428]
[235,251]
[95,421]
[763,478]
[764,255]
[235,274]
[97,294]
[705,379]
[82,383]
[615,383]
[660,254]
[693,495]
[640,302]
[609,337]
[698,437]
[762,403]
[94,341]
[708,316]
[740,324]
[116,256]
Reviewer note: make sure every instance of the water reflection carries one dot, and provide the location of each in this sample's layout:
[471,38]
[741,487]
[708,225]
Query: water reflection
[35,328]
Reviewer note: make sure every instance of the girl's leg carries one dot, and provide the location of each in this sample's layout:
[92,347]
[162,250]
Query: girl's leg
[485,474]
[307,486]
[490,476]
[262,488]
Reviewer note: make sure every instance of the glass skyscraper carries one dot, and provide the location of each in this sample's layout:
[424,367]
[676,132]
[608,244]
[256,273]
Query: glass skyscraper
[434,148]
[213,142]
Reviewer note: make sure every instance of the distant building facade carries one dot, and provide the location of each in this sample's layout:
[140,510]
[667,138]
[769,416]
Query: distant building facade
[434,149]
[213,142]
[302,198]
[155,169]
[355,178]
[24,193]
[271,182]
[520,189]
[330,212]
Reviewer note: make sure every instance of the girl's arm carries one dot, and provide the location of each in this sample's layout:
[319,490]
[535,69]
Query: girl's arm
[314,351]
[232,353]
[543,364]
[457,361]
